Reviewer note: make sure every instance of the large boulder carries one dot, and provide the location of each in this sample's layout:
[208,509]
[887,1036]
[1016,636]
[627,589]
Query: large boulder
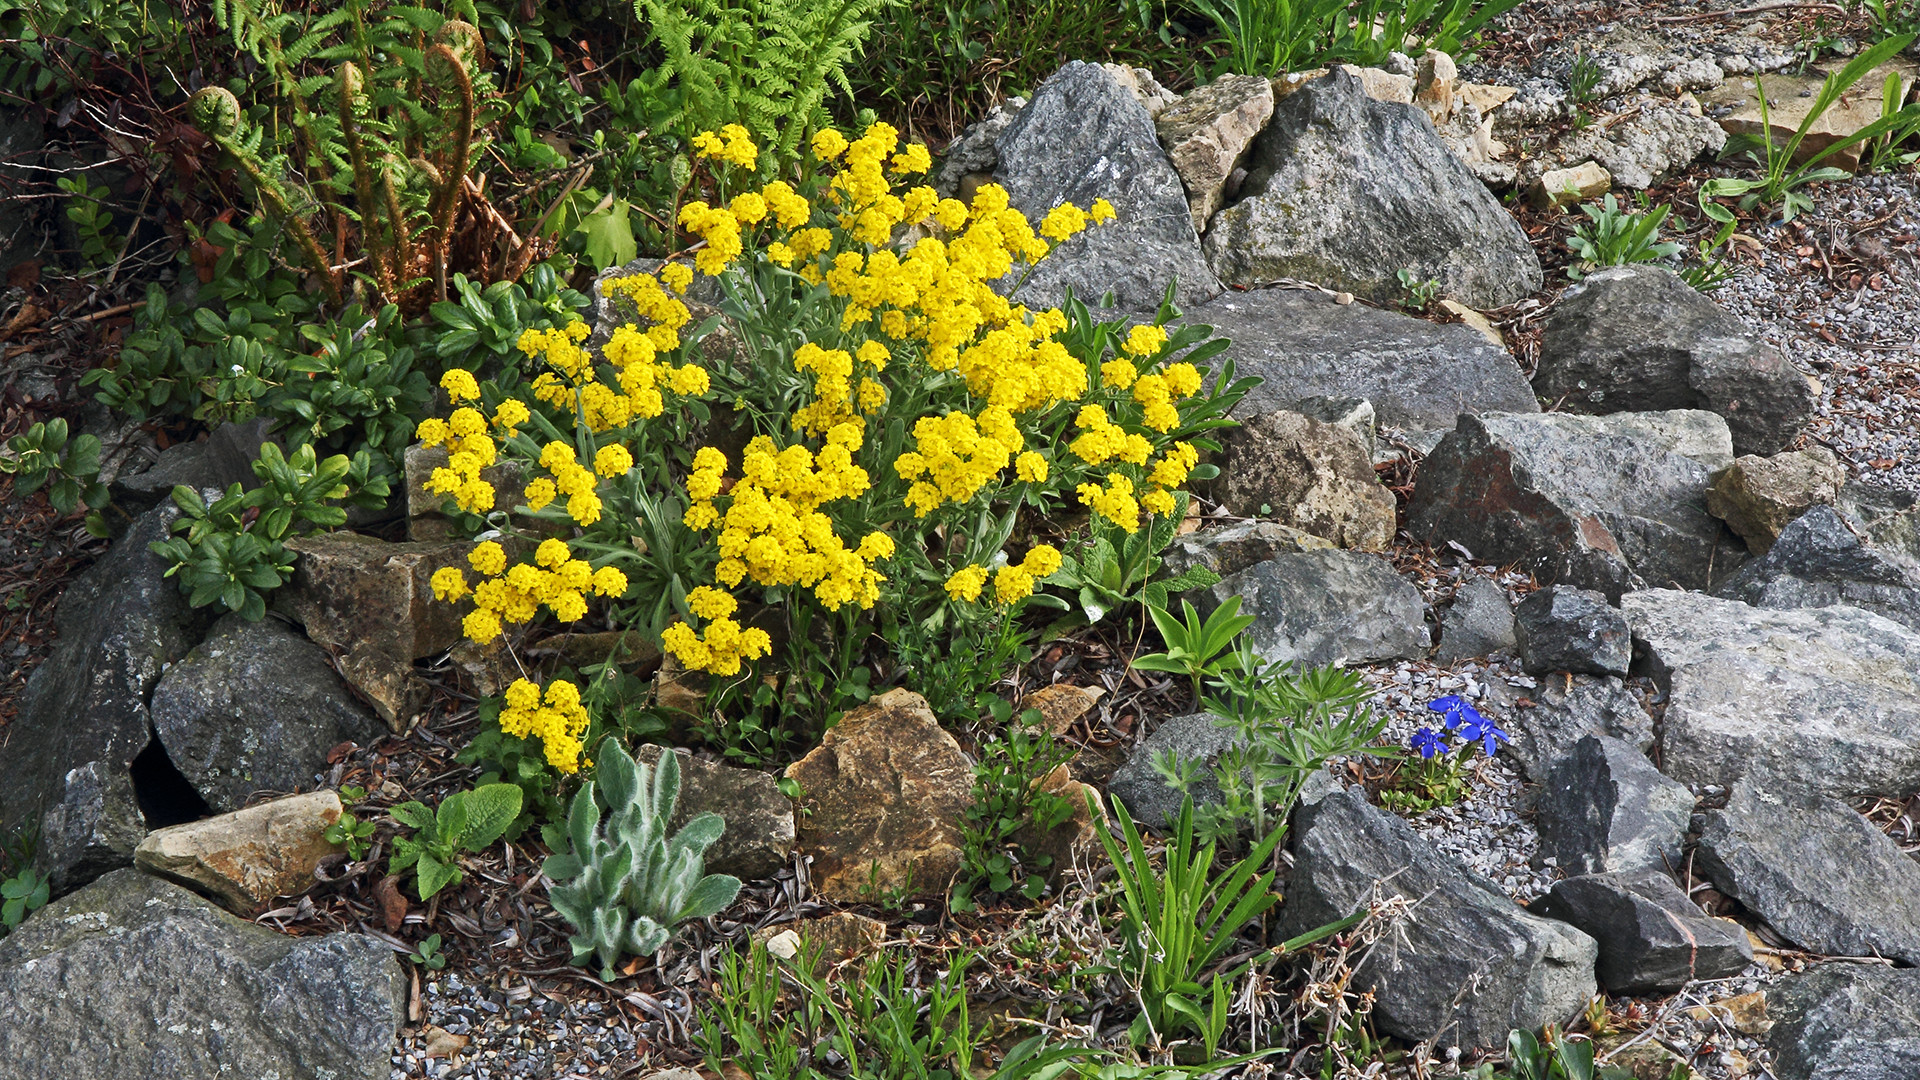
[883,802]
[136,977]
[1599,502]
[759,836]
[1822,699]
[246,858]
[82,721]
[255,707]
[1466,965]
[1639,339]
[1207,132]
[1846,1022]
[1566,709]
[1308,474]
[1083,137]
[1604,807]
[1416,374]
[1327,607]
[1759,496]
[1653,940]
[1346,191]
[1829,556]
[1823,876]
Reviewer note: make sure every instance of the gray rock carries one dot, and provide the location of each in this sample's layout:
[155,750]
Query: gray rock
[1232,549]
[1561,628]
[1817,872]
[1566,709]
[1196,738]
[1085,137]
[1603,807]
[1207,132]
[83,722]
[1466,965]
[1645,148]
[1479,622]
[135,977]
[1846,1022]
[759,836]
[1308,474]
[255,708]
[1639,339]
[1352,413]
[1417,374]
[1758,497]
[1327,607]
[1820,699]
[974,151]
[1346,191]
[1653,940]
[1592,501]
[224,457]
[1827,557]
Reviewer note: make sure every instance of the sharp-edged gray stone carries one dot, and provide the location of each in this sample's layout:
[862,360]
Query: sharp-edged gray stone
[1653,940]
[1593,501]
[1846,1022]
[1085,137]
[1828,557]
[1235,547]
[1561,628]
[1346,191]
[1639,339]
[1418,375]
[1467,965]
[1822,699]
[136,977]
[1327,607]
[1479,622]
[1566,709]
[253,708]
[1197,739]
[1604,807]
[1818,872]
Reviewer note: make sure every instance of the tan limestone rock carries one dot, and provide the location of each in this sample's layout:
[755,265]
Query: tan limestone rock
[1480,323]
[1759,496]
[1433,85]
[1061,704]
[1207,132]
[246,858]
[1314,476]
[1575,184]
[882,802]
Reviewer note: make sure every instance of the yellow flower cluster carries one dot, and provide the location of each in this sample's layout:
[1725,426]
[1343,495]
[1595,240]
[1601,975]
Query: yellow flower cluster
[957,456]
[558,720]
[470,447]
[555,580]
[1012,583]
[1115,501]
[733,145]
[724,645]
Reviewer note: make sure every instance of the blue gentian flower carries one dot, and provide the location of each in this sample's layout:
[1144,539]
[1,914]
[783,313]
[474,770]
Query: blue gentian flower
[1484,732]
[1455,710]
[1428,742]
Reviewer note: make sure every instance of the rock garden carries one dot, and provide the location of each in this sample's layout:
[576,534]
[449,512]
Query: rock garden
[1355,538]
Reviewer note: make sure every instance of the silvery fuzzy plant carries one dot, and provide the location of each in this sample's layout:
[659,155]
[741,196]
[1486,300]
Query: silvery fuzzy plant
[627,884]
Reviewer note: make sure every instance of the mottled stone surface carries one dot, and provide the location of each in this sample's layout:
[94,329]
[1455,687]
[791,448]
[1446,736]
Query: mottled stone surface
[1308,474]
[246,858]
[760,829]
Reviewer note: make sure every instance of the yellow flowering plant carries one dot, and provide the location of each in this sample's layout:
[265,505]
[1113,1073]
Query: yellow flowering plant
[886,413]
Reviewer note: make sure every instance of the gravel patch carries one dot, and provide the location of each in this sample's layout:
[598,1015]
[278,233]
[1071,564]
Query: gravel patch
[472,1029]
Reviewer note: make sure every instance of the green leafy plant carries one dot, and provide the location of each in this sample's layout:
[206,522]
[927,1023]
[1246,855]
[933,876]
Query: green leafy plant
[1781,177]
[481,331]
[232,551]
[1177,924]
[1583,81]
[622,881]
[69,468]
[1197,648]
[1007,801]
[351,833]
[467,821]
[1613,237]
[1117,569]
[1286,725]
[1886,151]
[428,955]
[21,895]
[1267,37]
[1894,16]
[764,64]
[92,221]
[1420,293]
[1561,1058]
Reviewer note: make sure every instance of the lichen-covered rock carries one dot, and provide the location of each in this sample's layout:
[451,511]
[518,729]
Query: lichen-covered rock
[1658,140]
[136,977]
[1326,607]
[1084,137]
[246,858]
[882,802]
[1311,475]
[1846,1022]
[1639,339]
[1346,191]
[1232,549]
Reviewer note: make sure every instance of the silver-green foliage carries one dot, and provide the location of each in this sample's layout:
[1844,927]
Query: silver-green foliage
[627,884]
[1614,237]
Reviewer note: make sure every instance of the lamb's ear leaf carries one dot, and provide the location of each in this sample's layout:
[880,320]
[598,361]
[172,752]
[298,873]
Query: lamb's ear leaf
[711,896]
